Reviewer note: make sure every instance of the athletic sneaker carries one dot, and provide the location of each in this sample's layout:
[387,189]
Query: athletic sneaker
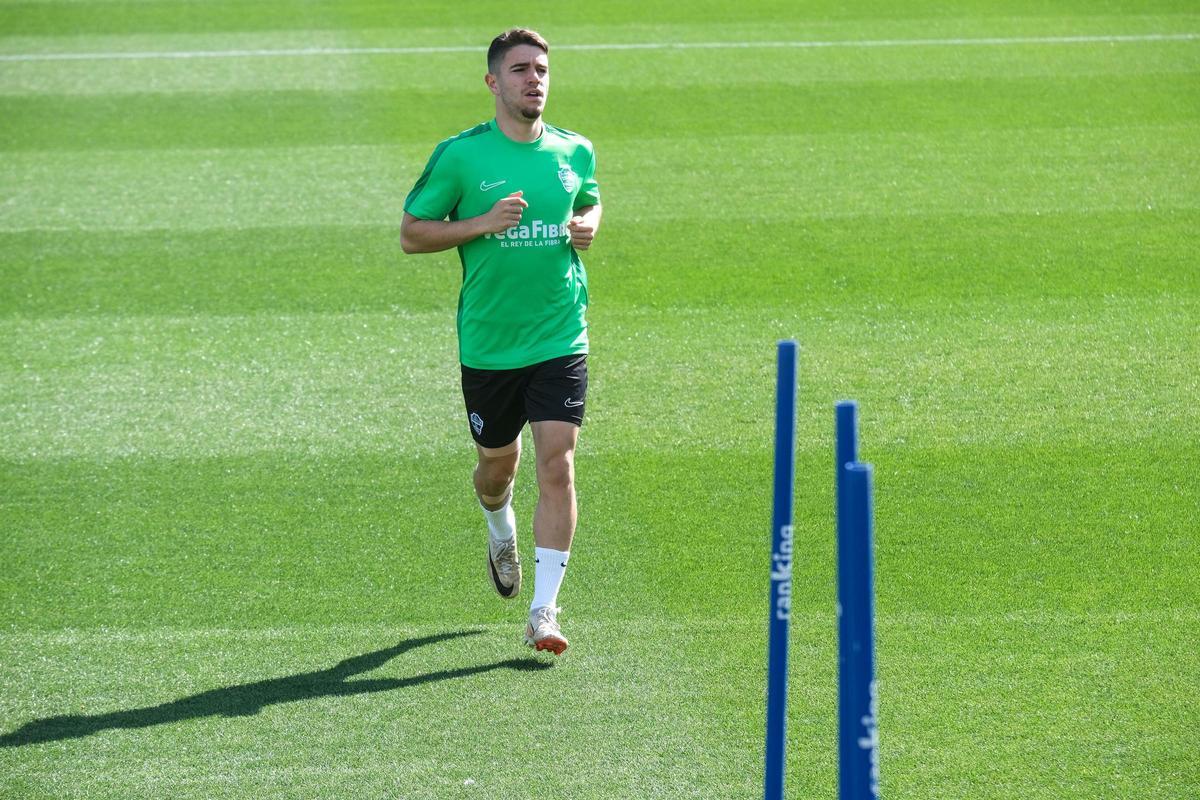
[504,567]
[543,633]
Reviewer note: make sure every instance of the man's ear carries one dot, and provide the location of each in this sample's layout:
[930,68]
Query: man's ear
[490,80]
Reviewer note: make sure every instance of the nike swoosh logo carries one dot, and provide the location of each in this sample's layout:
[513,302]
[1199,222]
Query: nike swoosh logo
[504,591]
[484,186]
[569,403]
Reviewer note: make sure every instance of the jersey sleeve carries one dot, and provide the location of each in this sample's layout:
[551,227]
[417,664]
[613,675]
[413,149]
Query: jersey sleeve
[437,192]
[589,190]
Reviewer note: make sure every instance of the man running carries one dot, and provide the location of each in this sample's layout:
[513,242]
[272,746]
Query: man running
[519,199]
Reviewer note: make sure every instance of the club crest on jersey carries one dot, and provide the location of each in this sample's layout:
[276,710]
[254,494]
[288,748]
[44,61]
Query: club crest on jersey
[569,179]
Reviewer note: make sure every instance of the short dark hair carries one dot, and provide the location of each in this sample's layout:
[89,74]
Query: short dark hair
[508,40]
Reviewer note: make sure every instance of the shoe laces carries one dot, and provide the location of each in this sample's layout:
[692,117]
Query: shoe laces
[544,615]
[504,555]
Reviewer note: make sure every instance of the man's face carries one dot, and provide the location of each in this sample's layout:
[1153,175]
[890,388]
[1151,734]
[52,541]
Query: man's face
[523,81]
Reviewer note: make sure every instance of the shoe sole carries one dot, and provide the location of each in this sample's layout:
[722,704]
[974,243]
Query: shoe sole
[553,644]
[513,590]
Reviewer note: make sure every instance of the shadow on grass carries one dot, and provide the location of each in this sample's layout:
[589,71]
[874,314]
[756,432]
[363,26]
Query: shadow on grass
[250,698]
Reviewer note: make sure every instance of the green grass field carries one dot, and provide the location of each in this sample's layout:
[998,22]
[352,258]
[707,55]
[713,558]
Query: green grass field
[240,557]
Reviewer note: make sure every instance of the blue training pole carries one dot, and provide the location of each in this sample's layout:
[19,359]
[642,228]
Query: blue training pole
[781,567]
[858,740]
[845,450]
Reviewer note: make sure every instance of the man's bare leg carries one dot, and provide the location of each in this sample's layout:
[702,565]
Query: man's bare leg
[553,528]
[495,472]
[554,448]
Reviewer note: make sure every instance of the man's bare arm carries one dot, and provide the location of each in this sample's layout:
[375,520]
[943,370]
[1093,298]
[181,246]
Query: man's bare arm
[583,226]
[434,235]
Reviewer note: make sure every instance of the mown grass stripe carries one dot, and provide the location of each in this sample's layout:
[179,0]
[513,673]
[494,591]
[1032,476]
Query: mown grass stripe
[819,176]
[244,119]
[402,51]
[814,619]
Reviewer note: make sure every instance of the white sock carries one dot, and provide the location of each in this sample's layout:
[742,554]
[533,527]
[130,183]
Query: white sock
[502,523]
[550,567]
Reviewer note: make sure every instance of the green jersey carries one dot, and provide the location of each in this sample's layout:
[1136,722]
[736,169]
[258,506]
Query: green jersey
[524,290]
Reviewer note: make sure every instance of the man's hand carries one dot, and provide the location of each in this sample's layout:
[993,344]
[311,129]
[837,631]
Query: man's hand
[582,232]
[505,214]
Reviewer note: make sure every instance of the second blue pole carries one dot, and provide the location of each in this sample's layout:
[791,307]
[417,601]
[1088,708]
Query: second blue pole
[858,698]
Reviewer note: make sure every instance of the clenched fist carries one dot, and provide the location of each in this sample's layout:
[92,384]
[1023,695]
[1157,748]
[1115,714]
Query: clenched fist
[582,232]
[505,214]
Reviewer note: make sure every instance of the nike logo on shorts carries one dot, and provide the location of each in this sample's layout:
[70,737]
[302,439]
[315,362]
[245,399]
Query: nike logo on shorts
[569,403]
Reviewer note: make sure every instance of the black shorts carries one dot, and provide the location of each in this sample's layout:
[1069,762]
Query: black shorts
[500,401]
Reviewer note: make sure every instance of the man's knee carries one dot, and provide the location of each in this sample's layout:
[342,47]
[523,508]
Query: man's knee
[557,472]
[495,476]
